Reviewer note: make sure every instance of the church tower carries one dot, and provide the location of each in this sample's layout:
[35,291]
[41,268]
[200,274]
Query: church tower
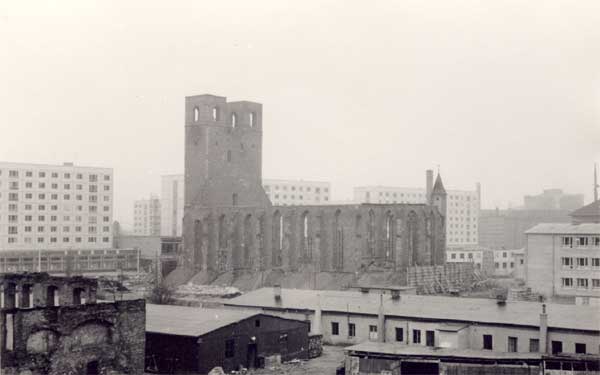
[438,196]
[223,153]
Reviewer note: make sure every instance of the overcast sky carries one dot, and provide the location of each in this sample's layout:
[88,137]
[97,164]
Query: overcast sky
[506,93]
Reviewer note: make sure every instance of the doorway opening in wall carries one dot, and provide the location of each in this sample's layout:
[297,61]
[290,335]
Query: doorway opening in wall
[92,368]
[252,357]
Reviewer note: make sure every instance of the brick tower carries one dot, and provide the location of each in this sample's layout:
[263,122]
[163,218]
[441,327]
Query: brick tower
[223,153]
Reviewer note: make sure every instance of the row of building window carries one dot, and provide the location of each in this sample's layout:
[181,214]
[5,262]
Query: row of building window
[14,185]
[462,255]
[580,262]
[582,283]
[91,219]
[42,207]
[66,197]
[14,240]
[300,197]
[216,116]
[580,241]
[42,174]
[54,229]
[488,344]
[293,188]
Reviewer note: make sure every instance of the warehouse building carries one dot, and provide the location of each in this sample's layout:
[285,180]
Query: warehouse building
[348,317]
[183,339]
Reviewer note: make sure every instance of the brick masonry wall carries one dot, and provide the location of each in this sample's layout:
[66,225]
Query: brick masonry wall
[65,339]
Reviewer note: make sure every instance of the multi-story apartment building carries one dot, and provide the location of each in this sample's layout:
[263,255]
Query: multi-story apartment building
[297,192]
[462,211]
[146,217]
[564,260]
[171,205]
[55,207]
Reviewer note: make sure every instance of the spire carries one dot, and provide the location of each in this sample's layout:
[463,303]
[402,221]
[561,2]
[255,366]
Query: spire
[438,186]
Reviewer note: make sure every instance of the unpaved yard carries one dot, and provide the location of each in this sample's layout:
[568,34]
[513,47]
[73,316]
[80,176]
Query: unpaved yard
[325,364]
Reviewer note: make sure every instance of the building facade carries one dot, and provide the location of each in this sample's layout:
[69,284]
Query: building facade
[53,325]
[482,258]
[55,207]
[297,192]
[230,223]
[147,217]
[348,318]
[171,205]
[564,260]
[506,261]
[195,340]
[462,211]
[553,199]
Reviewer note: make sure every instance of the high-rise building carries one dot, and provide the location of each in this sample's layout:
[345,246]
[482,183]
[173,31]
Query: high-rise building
[146,217]
[297,192]
[553,199]
[171,204]
[55,207]
[462,211]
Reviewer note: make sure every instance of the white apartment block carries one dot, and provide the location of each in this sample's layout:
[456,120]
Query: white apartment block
[463,208]
[563,259]
[55,207]
[171,205]
[146,217]
[297,192]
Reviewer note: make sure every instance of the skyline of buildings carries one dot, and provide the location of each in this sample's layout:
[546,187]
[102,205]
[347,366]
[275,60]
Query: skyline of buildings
[55,206]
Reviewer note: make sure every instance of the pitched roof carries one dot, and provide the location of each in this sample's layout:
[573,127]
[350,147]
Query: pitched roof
[592,209]
[444,309]
[564,228]
[438,186]
[190,321]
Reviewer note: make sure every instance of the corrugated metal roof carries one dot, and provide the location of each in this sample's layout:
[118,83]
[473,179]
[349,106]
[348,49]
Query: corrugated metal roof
[190,321]
[418,350]
[445,309]
[565,228]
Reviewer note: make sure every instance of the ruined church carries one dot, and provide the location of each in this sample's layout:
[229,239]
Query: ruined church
[230,225]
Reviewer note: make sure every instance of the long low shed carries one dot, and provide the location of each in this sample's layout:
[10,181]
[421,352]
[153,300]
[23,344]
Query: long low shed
[194,340]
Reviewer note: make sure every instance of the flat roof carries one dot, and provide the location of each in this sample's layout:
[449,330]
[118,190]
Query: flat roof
[190,321]
[565,228]
[444,309]
[66,165]
[418,350]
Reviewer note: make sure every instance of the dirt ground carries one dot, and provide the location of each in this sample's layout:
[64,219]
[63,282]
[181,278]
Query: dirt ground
[325,364]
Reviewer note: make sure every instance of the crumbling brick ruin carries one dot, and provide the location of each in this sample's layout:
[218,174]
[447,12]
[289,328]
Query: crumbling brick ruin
[53,325]
[231,226]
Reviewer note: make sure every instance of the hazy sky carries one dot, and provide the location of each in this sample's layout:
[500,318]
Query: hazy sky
[506,93]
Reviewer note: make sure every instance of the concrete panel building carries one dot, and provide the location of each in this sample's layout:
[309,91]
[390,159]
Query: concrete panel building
[55,207]
[297,192]
[171,205]
[564,260]
[463,208]
[146,217]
